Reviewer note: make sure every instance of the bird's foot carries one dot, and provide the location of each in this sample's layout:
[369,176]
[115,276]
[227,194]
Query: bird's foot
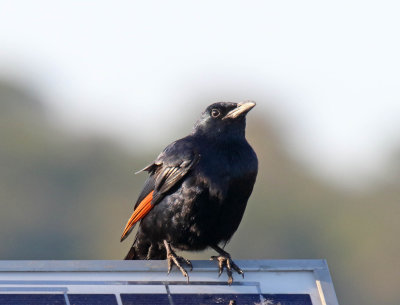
[178,261]
[225,261]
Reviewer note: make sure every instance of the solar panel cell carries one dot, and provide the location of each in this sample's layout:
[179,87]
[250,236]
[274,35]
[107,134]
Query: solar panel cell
[92,299]
[32,299]
[212,299]
[287,299]
[145,299]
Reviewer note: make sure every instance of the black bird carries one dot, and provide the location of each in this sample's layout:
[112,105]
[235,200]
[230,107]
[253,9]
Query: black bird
[197,191]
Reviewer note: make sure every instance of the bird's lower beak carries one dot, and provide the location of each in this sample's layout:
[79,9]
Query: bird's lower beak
[241,109]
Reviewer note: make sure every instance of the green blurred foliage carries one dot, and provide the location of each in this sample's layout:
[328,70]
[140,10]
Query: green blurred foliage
[64,196]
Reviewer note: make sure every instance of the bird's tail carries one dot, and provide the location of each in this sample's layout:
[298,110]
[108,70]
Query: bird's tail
[144,249]
[132,252]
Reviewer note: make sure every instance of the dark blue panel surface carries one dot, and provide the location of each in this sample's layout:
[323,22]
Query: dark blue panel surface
[92,299]
[241,299]
[32,299]
[288,299]
[144,299]
[211,299]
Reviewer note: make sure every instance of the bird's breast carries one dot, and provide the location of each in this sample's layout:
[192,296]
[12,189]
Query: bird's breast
[223,168]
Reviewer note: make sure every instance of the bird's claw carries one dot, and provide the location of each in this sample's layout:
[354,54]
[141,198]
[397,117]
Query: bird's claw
[225,261]
[178,261]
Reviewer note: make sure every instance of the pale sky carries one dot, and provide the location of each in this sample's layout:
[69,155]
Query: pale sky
[329,70]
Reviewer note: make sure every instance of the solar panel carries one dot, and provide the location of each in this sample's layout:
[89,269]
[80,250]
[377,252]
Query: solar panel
[266,282]
[92,299]
[145,299]
[32,299]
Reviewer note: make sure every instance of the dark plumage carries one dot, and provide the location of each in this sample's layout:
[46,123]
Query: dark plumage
[197,190]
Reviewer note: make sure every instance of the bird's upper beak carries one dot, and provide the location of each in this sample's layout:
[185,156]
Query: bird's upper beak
[241,109]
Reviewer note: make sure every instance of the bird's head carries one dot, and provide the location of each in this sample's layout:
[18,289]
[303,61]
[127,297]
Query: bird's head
[223,119]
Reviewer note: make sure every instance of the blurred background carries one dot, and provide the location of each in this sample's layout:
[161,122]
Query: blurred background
[92,91]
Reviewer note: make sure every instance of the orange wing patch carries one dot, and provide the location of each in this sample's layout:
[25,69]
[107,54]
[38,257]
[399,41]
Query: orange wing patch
[143,208]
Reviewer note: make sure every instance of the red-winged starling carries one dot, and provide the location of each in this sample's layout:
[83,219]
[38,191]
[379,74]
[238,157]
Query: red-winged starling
[197,191]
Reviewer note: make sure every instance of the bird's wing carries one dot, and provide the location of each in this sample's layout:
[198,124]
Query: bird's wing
[166,171]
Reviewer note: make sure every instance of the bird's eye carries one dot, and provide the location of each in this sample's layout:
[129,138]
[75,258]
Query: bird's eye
[215,113]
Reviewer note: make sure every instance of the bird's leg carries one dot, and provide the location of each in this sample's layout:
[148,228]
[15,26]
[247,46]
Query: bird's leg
[225,261]
[178,261]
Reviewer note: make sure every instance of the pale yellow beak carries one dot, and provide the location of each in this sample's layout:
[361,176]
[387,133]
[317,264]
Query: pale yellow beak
[242,108]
